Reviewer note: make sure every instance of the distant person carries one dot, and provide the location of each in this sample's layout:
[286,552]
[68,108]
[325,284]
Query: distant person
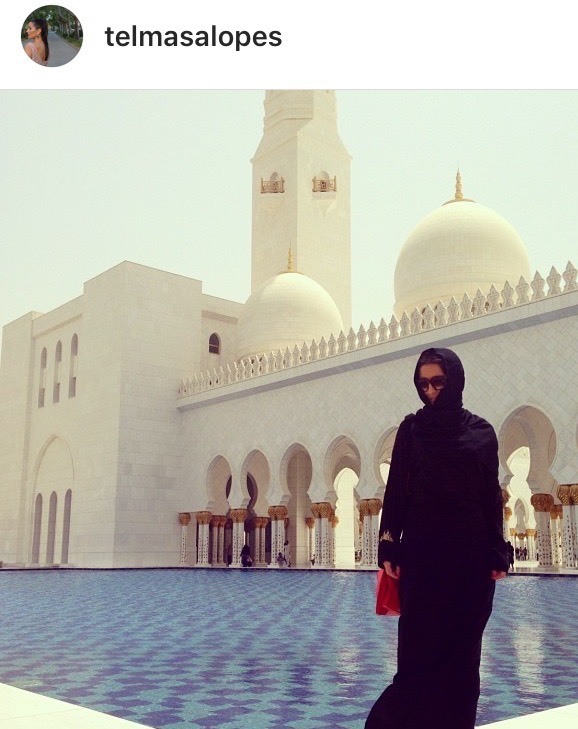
[287,553]
[246,560]
[441,537]
[510,554]
[37,46]
[281,561]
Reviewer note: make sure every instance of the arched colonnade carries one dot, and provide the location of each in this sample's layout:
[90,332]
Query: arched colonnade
[328,506]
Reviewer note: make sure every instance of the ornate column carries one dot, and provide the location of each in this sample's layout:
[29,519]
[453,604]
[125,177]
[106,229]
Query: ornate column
[278,514]
[310,521]
[185,519]
[263,521]
[507,517]
[574,513]
[218,531]
[542,504]
[322,511]
[238,517]
[568,526]
[555,532]
[371,509]
[256,540]
[334,521]
[507,513]
[203,521]
[531,543]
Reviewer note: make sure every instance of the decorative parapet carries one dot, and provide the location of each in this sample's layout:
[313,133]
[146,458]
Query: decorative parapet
[321,184]
[277,185]
[429,318]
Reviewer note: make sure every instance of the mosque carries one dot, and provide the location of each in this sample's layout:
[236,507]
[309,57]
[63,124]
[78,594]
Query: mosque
[148,423]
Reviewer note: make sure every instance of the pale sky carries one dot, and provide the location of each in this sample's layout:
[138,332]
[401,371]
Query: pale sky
[163,178]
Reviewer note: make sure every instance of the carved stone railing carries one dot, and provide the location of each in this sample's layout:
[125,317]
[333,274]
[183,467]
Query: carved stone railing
[273,185]
[321,184]
[426,319]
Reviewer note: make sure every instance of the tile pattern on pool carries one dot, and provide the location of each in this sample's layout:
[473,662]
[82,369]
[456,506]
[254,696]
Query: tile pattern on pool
[262,649]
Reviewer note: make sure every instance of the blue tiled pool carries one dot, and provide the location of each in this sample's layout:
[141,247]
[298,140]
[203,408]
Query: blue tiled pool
[263,649]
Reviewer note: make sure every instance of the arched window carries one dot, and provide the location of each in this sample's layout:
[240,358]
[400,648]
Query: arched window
[73,366]
[66,526]
[51,529]
[42,384]
[57,365]
[214,344]
[37,529]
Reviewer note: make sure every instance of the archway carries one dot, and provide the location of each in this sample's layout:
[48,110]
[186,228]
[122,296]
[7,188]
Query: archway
[53,479]
[342,468]
[522,524]
[527,434]
[296,473]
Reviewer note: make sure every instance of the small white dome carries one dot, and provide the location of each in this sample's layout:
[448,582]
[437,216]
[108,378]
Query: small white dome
[461,247]
[286,310]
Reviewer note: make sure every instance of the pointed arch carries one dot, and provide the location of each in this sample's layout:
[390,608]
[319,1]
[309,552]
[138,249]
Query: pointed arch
[531,427]
[37,529]
[66,526]
[51,532]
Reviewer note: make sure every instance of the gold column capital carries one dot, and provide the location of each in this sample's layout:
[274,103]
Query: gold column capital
[278,513]
[374,506]
[542,502]
[564,494]
[324,510]
[185,518]
[238,516]
[505,496]
[204,517]
[310,521]
[507,513]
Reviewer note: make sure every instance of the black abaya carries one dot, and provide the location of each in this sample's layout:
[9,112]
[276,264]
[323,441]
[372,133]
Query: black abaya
[442,523]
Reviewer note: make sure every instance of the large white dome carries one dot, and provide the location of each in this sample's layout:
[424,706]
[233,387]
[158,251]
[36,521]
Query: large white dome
[287,309]
[461,247]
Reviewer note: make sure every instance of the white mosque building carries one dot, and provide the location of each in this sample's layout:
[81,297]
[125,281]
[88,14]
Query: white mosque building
[147,423]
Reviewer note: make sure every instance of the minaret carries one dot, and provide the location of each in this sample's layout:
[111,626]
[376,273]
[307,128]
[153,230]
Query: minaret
[301,194]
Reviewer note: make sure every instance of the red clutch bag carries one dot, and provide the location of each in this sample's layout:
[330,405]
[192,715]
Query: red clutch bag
[387,594]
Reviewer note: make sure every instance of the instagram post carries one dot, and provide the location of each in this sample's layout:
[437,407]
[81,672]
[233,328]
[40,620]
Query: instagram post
[288,368]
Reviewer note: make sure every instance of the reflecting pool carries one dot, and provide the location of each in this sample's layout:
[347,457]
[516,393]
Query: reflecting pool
[261,649]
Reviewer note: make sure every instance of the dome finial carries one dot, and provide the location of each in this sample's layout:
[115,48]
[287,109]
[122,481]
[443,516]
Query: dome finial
[290,259]
[459,193]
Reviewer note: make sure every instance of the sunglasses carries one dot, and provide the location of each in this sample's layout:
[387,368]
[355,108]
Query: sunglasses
[438,383]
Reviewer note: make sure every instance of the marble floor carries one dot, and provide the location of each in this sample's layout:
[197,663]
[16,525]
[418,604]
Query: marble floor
[262,649]
[25,710]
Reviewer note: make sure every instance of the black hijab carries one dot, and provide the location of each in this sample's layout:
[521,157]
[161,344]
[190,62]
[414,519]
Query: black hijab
[446,428]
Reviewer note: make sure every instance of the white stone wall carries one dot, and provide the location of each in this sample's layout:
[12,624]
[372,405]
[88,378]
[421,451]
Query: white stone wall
[219,317]
[134,454]
[16,397]
[138,330]
[514,359]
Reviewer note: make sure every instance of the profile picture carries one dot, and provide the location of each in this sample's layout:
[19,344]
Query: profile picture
[51,36]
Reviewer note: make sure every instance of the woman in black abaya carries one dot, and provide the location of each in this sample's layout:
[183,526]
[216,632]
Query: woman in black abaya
[441,536]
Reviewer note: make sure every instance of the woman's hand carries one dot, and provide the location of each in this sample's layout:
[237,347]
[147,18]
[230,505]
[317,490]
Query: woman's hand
[391,570]
[498,575]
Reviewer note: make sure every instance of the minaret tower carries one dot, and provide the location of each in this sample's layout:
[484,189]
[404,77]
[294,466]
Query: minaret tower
[301,194]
